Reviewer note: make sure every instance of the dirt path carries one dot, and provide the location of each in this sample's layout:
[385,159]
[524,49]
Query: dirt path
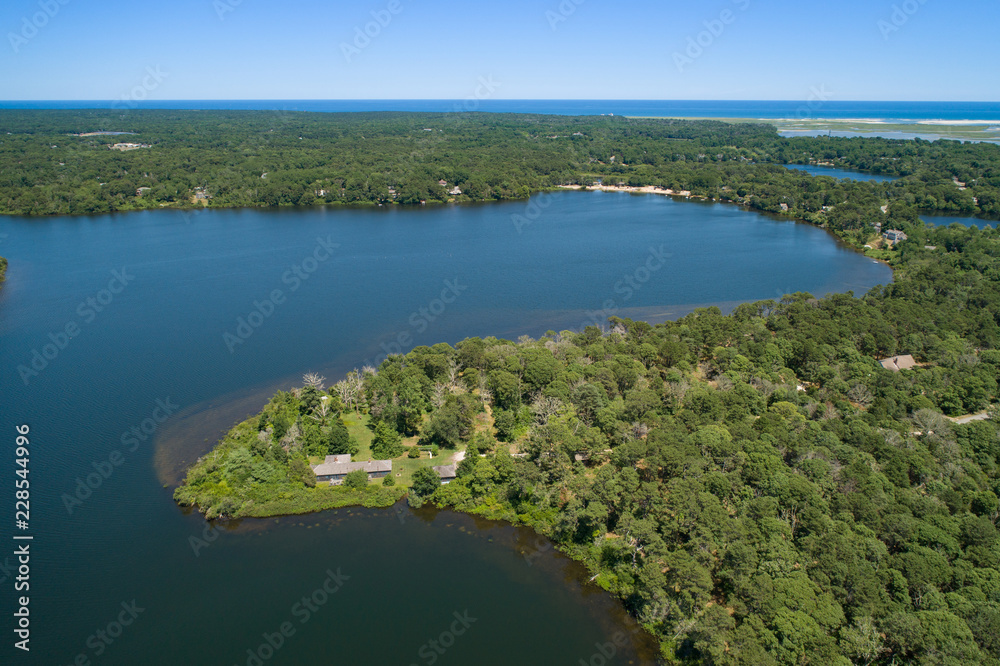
[962,420]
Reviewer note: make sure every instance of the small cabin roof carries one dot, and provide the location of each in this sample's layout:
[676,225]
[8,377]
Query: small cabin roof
[336,468]
[445,471]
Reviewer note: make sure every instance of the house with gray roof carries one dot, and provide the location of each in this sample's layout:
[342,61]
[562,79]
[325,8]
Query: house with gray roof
[448,473]
[334,468]
[894,236]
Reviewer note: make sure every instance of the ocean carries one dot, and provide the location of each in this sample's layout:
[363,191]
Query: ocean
[898,111]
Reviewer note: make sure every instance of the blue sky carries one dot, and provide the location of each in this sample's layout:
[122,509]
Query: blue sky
[545,49]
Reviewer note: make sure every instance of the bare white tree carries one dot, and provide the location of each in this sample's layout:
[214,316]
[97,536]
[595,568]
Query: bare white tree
[639,430]
[677,390]
[892,438]
[344,392]
[486,396]
[861,394]
[765,386]
[829,412]
[349,389]
[291,437]
[544,408]
[314,380]
[452,373]
[439,395]
[322,411]
[928,421]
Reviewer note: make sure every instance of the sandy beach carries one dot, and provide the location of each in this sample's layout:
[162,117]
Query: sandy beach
[646,189]
[958,122]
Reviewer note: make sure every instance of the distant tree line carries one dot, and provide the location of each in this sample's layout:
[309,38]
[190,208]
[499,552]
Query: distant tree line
[267,158]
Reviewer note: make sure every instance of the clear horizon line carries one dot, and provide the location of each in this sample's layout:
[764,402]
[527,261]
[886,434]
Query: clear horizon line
[500,99]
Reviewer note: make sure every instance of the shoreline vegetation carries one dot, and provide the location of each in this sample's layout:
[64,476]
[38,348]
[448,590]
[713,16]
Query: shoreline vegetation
[262,466]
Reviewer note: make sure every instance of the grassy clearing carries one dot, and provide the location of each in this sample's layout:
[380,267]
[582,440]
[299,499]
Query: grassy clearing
[402,467]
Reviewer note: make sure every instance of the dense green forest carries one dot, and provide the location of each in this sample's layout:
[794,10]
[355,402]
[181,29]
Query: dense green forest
[267,158]
[755,487]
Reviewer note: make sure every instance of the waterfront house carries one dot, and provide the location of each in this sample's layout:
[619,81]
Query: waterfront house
[446,472]
[333,469]
[894,236]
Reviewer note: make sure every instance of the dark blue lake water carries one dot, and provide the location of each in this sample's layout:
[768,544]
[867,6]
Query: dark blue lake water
[945,220]
[150,297]
[840,173]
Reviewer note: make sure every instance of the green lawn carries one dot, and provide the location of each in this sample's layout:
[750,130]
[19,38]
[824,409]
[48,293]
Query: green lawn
[401,466]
